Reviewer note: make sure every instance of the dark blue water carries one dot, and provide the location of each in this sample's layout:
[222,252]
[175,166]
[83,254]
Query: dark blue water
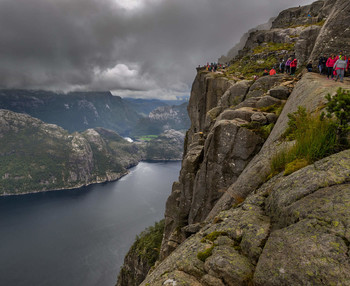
[80,237]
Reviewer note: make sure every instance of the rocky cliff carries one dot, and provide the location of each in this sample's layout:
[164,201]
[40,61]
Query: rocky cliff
[35,156]
[225,223]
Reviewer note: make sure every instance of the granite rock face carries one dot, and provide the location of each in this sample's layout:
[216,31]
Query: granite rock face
[334,33]
[218,147]
[299,238]
[224,223]
[310,31]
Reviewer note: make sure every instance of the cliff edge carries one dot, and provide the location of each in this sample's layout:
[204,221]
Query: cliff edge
[225,223]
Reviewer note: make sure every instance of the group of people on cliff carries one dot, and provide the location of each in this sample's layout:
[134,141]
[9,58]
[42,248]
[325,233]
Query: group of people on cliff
[289,67]
[333,66]
[213,67]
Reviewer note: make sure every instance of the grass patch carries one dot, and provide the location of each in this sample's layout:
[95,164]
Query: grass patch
[213,236]
[315,138]
[295,165]
[262,130]
[248,67]
[275,108]
[320,23]
[203,255]
[273,47]
[147,137]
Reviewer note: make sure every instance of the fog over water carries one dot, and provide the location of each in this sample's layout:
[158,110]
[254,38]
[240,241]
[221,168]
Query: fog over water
[80,237]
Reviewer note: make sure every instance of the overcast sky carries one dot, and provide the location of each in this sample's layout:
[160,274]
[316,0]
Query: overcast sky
[139,48]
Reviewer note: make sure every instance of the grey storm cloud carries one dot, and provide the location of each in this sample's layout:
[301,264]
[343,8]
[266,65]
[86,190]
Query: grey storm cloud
[149,50]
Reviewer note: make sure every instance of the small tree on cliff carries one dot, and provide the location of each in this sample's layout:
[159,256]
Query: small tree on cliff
[339,106]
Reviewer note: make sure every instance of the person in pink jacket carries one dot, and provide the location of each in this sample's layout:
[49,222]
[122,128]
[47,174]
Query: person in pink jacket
[288,65]
[329,64]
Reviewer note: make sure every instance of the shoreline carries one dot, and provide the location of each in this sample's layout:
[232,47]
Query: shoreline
[92,183]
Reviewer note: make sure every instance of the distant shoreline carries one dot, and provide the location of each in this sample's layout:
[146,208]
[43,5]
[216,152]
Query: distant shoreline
[92,183]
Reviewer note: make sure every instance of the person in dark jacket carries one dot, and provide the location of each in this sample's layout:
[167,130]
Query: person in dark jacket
[282,66]
[322,64]
[309,66]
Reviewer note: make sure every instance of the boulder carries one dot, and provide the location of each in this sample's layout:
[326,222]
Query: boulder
[266,101]
[244,113]
[271,117]
[259,117]
[263,84]
[280,92]
[249,102]
[235,94]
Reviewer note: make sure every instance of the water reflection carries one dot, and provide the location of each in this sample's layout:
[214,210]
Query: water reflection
[80,237]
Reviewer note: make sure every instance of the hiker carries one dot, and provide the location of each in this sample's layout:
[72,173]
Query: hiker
[322,64]
[309,66]
[339,67]
[293,66]
[272,71]
[265,72]
[288,65]
[329,64]
[340,55]
[282,66]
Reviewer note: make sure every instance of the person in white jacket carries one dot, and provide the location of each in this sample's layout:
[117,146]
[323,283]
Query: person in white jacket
[339,67]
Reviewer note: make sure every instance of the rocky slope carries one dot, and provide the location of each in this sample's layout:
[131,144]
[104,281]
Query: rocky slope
[167,146]
[35,156]
[163,118]
[224,223]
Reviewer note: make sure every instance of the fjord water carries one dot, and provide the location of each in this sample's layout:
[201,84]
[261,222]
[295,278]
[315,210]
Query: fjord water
[80,237]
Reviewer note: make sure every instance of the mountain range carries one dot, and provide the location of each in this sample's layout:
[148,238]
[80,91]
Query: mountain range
[78,111]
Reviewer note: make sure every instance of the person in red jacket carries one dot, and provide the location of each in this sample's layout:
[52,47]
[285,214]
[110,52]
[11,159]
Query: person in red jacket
[330,63]
[293,66]
[272,71]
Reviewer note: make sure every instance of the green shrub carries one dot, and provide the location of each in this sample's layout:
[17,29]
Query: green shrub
[147,244]
[339,105]
[275,108]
